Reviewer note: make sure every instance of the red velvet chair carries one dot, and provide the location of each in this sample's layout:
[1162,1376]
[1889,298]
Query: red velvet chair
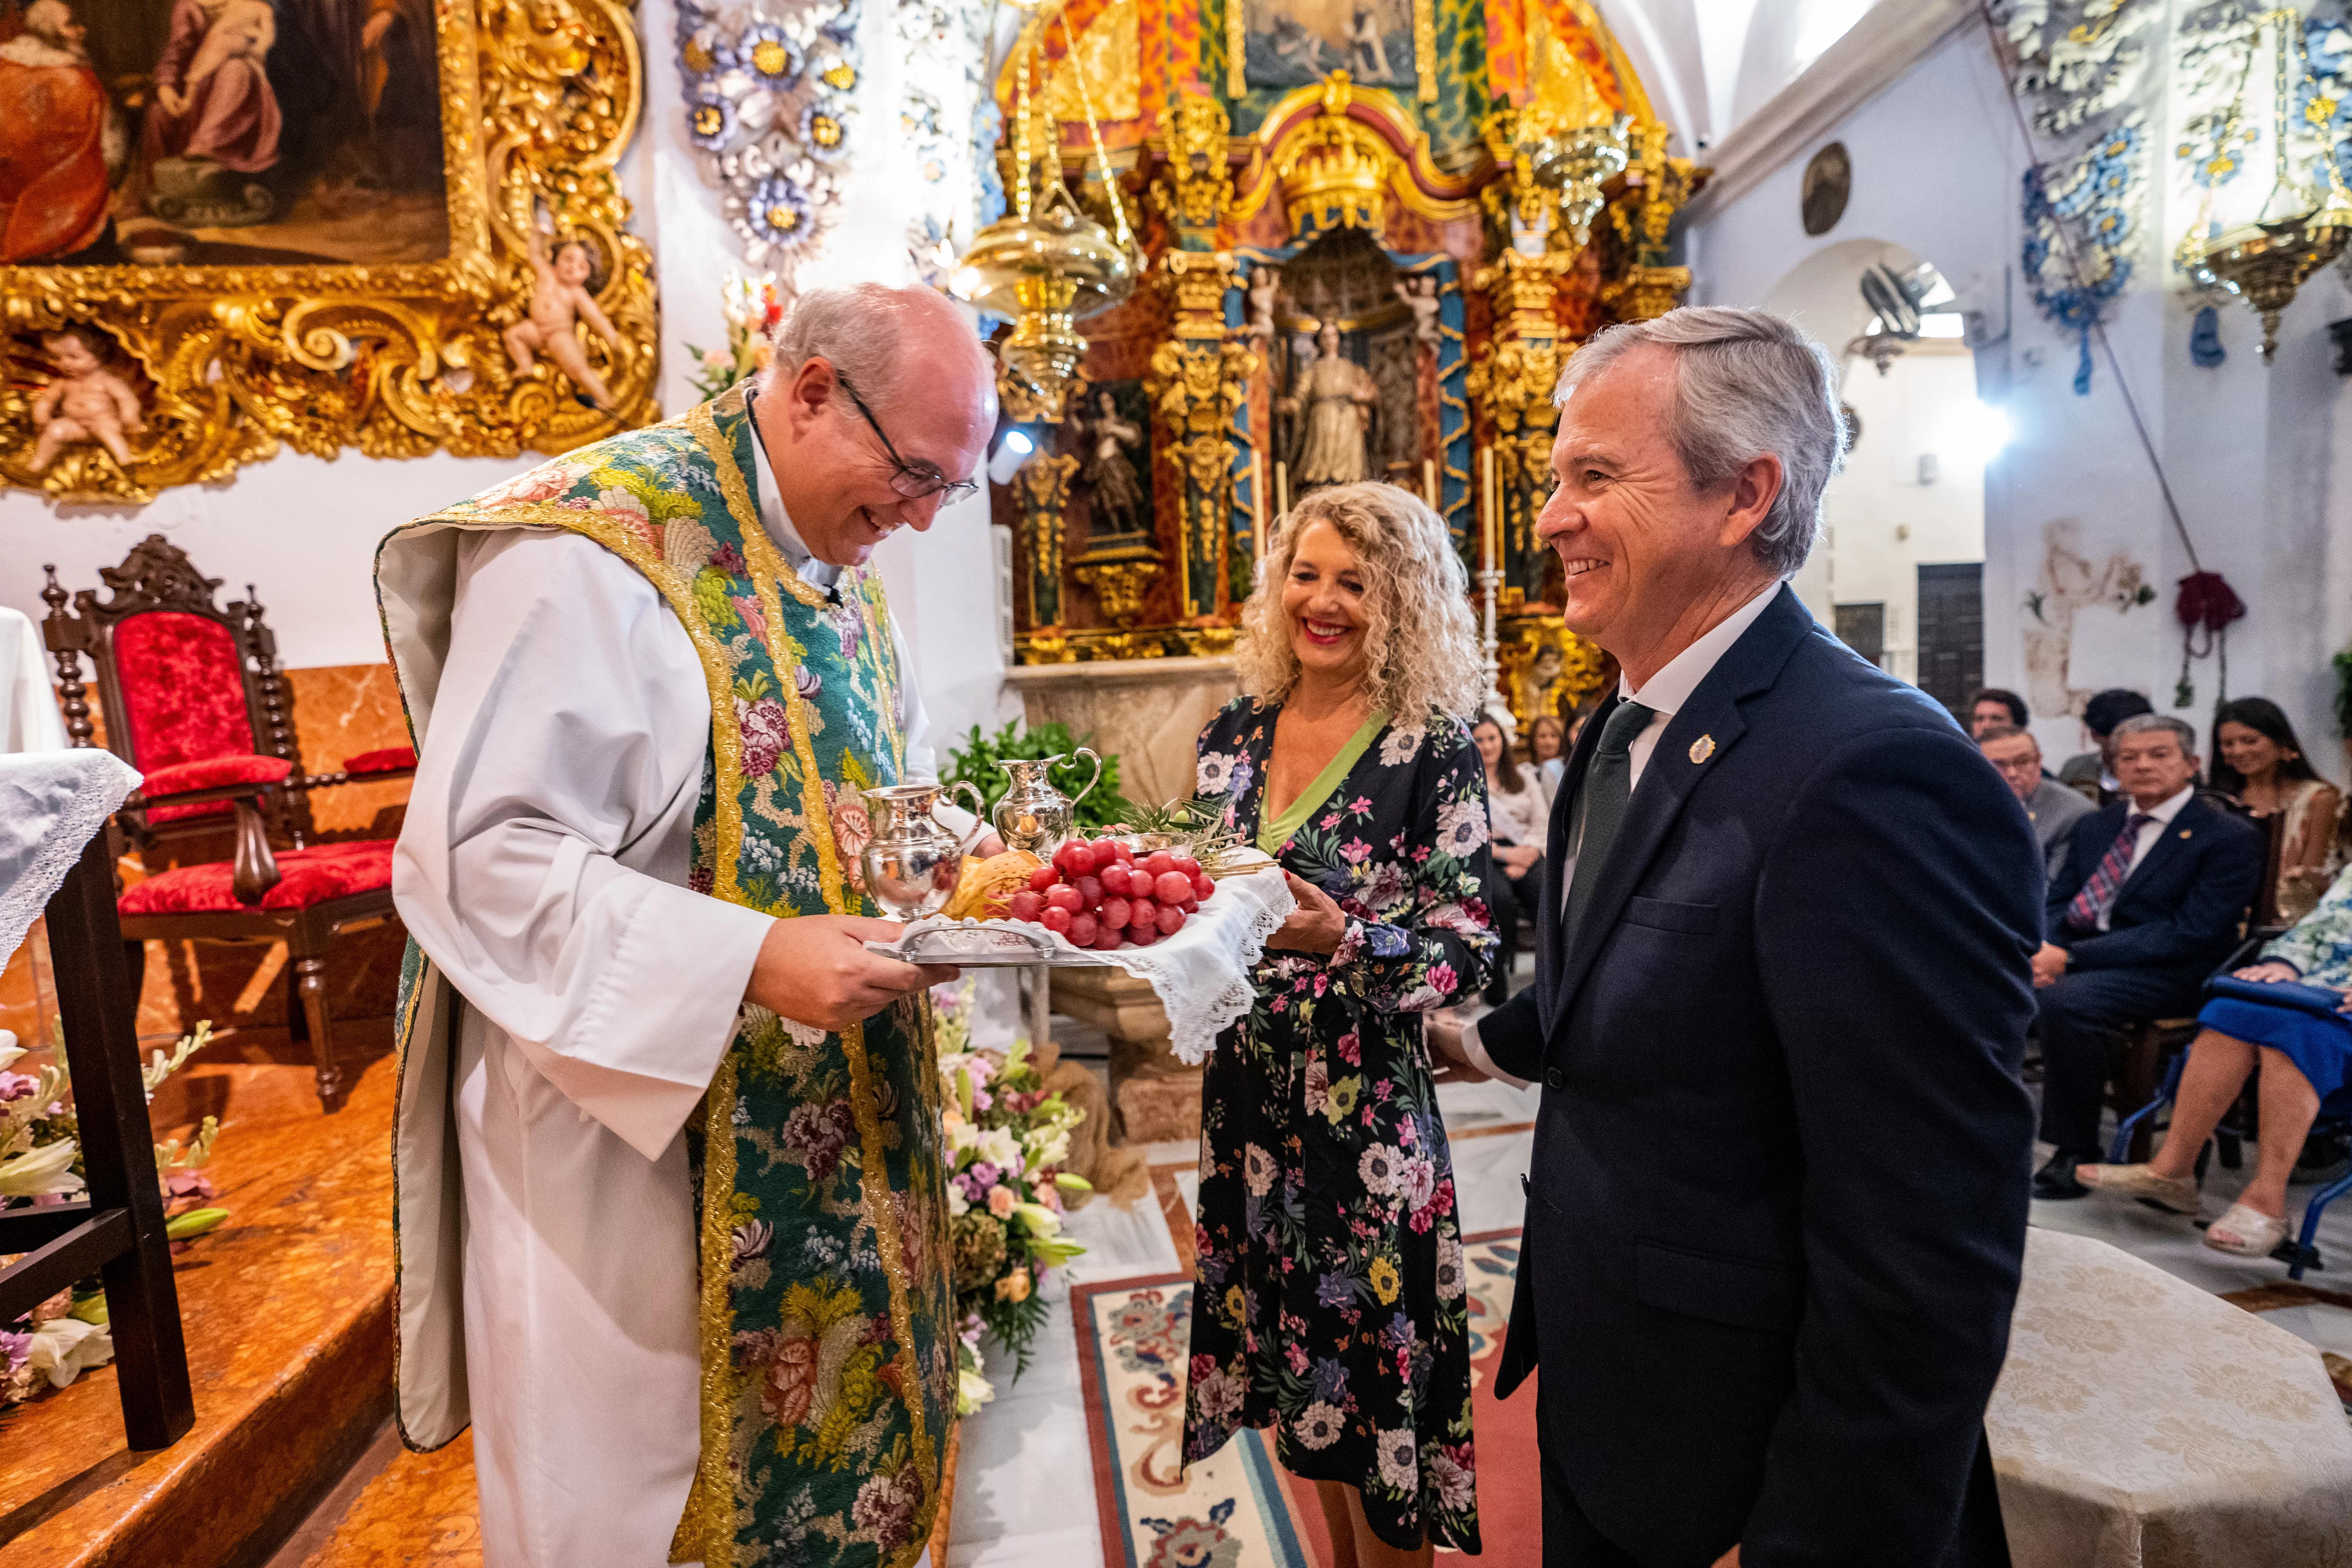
[193,699]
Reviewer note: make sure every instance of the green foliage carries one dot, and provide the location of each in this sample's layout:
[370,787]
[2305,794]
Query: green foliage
[975,762]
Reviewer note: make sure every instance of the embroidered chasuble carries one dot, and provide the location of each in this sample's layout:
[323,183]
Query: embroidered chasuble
[825,1309]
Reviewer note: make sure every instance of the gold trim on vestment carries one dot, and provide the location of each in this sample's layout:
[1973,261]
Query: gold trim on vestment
[705,1529]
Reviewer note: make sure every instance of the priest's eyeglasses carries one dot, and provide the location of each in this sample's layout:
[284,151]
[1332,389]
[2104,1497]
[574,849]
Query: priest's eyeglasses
[916,481]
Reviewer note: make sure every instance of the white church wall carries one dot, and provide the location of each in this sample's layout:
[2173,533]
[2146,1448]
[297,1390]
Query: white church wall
[2076,528]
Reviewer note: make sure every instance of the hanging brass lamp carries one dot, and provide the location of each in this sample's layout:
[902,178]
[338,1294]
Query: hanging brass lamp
[1046,265]
[2264,262]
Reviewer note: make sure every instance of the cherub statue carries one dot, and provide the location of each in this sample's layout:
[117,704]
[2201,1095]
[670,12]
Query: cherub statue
[1419,293]
[1264,281]
[558,299]
[87,402]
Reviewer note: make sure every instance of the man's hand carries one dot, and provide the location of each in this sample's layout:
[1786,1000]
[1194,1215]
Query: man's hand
[1315,926]
[814,970]
[1728,1559]
[2269,969]
[2049,965]
[989,847]
[1443,1031]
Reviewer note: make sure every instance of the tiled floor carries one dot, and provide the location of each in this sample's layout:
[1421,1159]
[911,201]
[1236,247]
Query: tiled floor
[1005,1518]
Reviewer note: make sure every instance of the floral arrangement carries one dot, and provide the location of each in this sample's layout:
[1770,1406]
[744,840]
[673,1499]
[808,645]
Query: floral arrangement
[1006,1140]
[769,91]
[40,1160]
[752,306]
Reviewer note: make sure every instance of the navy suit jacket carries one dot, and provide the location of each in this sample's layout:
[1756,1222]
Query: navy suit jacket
[2182,908]
[1777,1206]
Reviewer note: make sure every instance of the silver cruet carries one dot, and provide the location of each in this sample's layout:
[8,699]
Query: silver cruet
[912,863]
[1033,815]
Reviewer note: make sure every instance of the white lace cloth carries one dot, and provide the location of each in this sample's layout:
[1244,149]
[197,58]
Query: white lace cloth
[50,803]
[1202,974]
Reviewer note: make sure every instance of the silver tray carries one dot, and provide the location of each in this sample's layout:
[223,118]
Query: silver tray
[992,944]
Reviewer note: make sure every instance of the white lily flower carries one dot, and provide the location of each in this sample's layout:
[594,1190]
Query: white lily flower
[40,1171]
[64,1348]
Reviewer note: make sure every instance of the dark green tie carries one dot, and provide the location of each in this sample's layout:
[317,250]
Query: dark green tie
[1608,786]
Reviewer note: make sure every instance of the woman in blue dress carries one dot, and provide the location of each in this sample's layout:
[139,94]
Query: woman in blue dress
[1330,1304]
[2303,1044]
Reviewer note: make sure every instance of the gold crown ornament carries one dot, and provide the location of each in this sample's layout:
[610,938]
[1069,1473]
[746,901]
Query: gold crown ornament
[1334,172]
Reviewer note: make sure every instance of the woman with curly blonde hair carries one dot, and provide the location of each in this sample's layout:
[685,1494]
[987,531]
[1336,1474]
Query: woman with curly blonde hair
[1331,1301]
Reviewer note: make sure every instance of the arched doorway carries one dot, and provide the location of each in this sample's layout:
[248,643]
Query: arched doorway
[1899,573]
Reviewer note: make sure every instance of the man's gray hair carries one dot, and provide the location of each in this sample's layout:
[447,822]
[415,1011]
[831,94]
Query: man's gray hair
[1747,383]
[859,329]
[2141,723]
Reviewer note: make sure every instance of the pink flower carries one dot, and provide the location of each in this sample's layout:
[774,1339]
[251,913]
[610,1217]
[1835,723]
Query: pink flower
[754,618]
[1351,1050]
[766,735]
[852,828]
[543,483]
[887,1505]
[1001,1201]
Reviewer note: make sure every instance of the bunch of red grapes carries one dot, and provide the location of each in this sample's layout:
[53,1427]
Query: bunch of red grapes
[1100,895]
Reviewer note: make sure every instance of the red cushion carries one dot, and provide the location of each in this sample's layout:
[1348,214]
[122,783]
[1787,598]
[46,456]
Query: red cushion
[210,773]
[384,762]
[310,877]
[182,688]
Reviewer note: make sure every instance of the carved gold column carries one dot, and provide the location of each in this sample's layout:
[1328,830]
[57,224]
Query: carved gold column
[1197,381]
[1511,381]
[1197,187]
[1041,487]
[1656,187]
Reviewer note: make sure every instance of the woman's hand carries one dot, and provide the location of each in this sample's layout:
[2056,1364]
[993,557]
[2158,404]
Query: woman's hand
[1315,926]
[2271,968]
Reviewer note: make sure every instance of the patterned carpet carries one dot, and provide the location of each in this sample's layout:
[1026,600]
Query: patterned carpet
[1240,1509]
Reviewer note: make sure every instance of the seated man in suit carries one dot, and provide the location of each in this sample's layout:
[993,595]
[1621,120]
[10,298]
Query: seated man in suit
[2055,809]
[2152,896]
[2093,773]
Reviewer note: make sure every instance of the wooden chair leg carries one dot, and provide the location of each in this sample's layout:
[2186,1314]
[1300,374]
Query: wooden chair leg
[310,985]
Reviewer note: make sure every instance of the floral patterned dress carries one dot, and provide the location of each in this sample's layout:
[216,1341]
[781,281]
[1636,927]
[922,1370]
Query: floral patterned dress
[1329,1301]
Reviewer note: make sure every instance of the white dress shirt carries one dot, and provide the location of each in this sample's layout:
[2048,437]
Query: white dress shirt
[2159,820]
[1664,694]
[543,868]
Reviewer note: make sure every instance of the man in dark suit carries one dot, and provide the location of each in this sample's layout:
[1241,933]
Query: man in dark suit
[1777,1208]
[2153,895]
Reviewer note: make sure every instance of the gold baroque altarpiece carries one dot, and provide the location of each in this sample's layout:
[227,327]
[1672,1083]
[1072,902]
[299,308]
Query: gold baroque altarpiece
[538,101]
[1462,220]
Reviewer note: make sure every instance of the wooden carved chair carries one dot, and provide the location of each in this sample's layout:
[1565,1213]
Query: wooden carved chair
[193,699]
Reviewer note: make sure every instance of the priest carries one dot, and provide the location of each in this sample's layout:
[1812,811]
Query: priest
[672,1227]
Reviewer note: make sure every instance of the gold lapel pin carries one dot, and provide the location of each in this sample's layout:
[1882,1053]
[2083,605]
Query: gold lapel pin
[2184,833]
[1702,748]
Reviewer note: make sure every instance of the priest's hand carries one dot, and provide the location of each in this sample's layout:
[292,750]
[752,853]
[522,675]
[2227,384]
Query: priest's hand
[814,970]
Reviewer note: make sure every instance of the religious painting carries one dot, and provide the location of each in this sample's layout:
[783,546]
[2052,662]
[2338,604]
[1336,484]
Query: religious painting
[1297,43]
[1110,430]
[230,225]
[1829,181]
[230,133]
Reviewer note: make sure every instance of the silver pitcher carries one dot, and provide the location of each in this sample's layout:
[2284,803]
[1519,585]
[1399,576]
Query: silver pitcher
[1033,815]
[912,862]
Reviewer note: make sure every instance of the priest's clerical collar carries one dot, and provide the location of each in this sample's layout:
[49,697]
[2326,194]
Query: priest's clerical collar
[775,519]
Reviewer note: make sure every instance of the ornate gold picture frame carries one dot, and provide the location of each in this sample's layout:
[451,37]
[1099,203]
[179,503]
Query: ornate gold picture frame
[145,376]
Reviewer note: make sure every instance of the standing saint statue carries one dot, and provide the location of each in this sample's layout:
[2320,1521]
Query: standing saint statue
[673,1222]
[1335,397]
[1118,490]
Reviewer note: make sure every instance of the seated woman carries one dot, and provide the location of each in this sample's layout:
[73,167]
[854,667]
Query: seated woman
[2257,758]
[2305,1058]
[1547,752]
[1520,817]
[1325,1212]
